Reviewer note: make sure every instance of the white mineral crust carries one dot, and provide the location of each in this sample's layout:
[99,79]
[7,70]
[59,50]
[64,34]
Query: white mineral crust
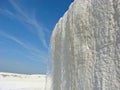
[86,46]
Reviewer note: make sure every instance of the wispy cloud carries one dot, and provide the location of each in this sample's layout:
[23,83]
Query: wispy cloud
[18,9]
[34,52]
[7,13]
[29,19]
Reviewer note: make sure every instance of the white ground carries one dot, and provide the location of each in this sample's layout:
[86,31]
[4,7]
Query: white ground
[10,81]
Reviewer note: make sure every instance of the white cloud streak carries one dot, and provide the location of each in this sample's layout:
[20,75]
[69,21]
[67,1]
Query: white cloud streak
[37,28]
[7,13]
[23,16]
[35,52]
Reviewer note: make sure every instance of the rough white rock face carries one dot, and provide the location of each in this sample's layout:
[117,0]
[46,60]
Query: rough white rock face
[86,46]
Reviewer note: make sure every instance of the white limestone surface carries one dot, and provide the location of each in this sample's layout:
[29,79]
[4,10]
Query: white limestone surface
[86,46]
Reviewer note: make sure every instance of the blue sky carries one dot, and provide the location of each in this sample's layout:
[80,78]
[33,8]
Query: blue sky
[25,31]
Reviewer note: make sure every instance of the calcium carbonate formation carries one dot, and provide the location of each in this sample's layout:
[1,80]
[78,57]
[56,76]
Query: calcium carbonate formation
[86,46]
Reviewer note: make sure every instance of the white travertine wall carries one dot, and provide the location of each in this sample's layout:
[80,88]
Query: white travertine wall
[86,46]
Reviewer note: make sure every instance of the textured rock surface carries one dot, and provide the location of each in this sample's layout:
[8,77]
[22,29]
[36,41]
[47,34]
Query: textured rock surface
[86,46]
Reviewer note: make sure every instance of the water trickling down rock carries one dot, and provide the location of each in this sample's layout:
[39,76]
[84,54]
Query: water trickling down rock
[86,46]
